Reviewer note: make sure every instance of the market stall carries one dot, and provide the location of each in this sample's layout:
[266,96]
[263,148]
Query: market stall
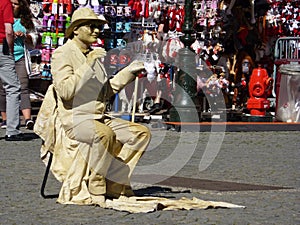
[223,33]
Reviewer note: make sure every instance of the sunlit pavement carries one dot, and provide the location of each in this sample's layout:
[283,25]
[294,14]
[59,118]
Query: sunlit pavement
[259,170]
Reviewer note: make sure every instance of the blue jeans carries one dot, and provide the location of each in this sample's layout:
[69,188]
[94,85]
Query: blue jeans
[12,88]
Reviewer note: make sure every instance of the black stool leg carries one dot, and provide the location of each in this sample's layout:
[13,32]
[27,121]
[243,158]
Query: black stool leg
[45,179]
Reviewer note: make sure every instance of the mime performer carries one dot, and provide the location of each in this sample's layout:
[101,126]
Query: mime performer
[93,154]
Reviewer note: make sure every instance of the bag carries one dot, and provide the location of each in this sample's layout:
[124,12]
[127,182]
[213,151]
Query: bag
[27,47]
[27,61]
[5,48]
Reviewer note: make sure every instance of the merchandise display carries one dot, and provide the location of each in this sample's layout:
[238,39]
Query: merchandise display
[222,29]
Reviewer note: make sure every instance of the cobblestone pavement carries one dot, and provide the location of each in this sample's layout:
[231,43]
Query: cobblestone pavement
[261,158]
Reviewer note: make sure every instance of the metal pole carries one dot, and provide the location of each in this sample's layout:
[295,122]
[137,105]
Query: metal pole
[184,109]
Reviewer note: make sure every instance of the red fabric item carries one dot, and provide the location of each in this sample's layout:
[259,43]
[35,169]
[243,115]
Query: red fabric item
[130,3]
[172,20]
[6,16]
[296,31]
[68,4]
[137,8]
[146,13]
[173,45]
[47,6]
[176,18]
[180,19]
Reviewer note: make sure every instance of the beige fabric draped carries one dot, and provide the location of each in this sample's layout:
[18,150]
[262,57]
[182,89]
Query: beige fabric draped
[151,204]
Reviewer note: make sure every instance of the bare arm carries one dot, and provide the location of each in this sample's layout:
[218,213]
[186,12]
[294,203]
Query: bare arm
[9,36]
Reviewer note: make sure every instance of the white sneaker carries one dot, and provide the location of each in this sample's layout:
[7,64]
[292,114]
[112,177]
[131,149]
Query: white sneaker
[3,124]
[29,124]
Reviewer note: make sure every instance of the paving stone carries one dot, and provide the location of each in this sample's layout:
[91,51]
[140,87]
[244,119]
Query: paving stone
[255,158]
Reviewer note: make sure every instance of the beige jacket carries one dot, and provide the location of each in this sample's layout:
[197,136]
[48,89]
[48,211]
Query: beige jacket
[78,93]
[82,91]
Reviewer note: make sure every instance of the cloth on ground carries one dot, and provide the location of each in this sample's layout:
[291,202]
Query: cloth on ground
[136,204]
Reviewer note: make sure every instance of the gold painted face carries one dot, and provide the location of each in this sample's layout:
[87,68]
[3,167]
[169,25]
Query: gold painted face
[88,33]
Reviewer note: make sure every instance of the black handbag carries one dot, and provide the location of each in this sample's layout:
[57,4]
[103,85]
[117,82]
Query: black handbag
[5,48]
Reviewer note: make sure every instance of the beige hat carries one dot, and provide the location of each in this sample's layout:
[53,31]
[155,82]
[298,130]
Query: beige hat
[81,16]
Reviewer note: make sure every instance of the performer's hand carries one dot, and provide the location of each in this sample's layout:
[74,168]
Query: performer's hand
[94,55]
[136,67]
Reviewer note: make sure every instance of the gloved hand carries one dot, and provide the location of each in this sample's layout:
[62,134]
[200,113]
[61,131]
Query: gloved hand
[94,55]
[136,66]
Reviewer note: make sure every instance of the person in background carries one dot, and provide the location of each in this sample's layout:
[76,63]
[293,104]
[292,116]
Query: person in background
[25,38]
[94,154]
[8,75]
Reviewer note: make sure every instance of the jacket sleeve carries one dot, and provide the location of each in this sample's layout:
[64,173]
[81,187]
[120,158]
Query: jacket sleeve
[121,79]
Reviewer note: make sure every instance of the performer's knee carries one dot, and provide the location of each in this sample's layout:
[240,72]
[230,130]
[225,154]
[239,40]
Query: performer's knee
[144,134]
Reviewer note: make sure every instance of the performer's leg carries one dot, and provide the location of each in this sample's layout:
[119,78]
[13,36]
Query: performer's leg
[134,139]
[96,149]
[133,136]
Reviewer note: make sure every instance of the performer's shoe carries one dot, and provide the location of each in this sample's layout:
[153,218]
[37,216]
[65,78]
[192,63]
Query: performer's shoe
[98,200]
[127,191]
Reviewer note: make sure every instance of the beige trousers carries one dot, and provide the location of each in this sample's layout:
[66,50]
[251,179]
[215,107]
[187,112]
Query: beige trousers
[102,156]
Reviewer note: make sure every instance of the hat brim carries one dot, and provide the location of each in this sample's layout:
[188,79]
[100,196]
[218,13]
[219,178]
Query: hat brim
[77,23]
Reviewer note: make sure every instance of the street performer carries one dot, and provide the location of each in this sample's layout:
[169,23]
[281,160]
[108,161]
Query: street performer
[94,154]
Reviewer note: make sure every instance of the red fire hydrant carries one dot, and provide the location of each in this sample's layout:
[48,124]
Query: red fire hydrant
[260,87]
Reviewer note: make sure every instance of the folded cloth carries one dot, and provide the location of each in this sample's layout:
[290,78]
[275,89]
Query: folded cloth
[150,204]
